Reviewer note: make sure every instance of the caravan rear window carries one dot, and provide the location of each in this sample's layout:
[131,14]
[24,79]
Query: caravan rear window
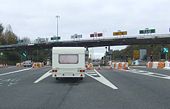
[68,58]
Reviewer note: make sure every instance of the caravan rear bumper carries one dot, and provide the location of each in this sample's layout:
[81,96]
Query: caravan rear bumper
[68,75]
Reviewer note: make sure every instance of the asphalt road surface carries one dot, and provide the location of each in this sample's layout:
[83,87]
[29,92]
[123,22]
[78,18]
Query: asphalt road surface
[137,88]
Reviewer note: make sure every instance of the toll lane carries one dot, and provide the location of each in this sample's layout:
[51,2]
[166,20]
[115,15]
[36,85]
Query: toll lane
[133,91]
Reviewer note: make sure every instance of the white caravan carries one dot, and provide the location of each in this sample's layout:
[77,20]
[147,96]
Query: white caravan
[68,62]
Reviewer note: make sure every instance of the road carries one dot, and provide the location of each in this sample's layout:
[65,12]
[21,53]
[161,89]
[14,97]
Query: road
[137,88]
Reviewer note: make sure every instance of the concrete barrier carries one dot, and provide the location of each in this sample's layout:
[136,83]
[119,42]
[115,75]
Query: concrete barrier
[167,65]
[89,66]
[161,65]
[37,65]
[18,64]
[149,65]
[120,65]
[3,65]
[158,65]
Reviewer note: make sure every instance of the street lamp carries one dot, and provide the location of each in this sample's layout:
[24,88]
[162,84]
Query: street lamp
[57,23]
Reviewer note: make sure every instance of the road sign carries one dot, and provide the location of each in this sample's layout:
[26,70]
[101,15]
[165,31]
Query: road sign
[100,34]
[76,36]
[136,54]
[95,34]
[91,35]
[55,38]
[24,54]
[147,31]
[119,33]
[165,50]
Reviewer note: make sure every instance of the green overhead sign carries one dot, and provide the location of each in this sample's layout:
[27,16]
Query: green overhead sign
[24,54]
[55,38]
[147,31]
[165,50]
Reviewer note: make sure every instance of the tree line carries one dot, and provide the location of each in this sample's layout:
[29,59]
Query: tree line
[152,49]
[8,37]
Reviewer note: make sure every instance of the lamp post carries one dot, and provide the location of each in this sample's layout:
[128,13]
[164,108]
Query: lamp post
[57,23]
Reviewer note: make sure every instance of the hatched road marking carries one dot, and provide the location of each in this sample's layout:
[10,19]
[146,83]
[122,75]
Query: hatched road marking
[101,79]
[147,73]
[93,74]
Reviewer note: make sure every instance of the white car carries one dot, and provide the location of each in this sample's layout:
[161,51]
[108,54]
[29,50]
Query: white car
[27,63]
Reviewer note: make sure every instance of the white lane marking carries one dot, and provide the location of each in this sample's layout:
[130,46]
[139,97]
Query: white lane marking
[9,82]
[139,66]
[46,67]
[93,74]
[147,73]
[15,72]
[47,74]
[11,67]
[102,79]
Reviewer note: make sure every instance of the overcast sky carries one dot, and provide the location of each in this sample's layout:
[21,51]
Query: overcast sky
[36,18]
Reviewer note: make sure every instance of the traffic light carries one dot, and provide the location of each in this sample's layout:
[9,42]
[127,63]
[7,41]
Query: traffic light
[163,56]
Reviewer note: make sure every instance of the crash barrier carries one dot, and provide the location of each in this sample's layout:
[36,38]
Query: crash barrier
[3,65]
[89,66]
[18,64]
[159,65]
[120,65]
[37,65]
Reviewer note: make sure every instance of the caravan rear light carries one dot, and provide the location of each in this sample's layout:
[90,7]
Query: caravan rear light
[54,70]
[82,70]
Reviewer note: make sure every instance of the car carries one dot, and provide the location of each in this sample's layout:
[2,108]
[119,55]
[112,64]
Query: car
[27,63]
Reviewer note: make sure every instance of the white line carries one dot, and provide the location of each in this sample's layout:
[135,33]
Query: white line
[11,67]
[43,76]
[158,75]
[103,80]
[15,72]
